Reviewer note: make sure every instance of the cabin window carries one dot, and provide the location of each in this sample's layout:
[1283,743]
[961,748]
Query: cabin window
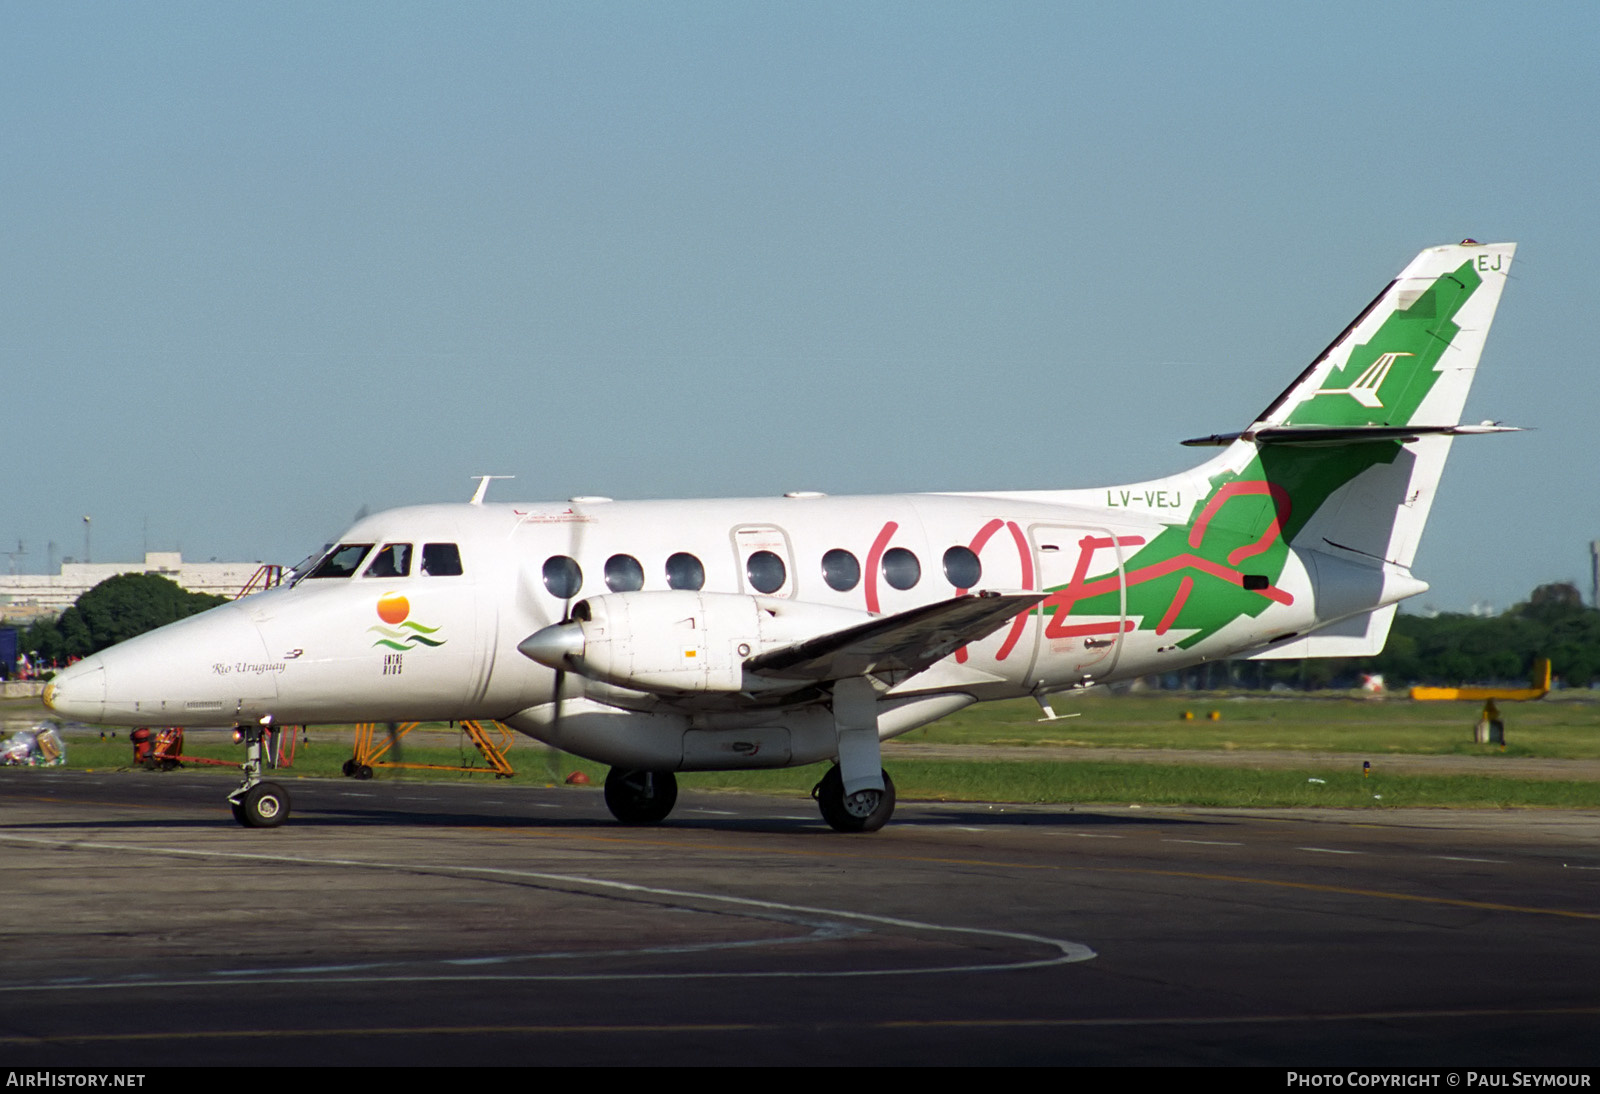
[441,560]
[684,571]
[841,570]
[342,561]
[393,561]
[562,577]
[766,571]
[624,574]
[901,568]
[962,568]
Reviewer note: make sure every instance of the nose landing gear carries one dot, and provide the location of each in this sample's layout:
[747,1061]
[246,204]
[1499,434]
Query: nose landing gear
[257,804]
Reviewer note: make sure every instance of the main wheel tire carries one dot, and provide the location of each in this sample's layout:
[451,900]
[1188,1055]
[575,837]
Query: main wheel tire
[640,797]
[265,805]
[865,811]
[238,813]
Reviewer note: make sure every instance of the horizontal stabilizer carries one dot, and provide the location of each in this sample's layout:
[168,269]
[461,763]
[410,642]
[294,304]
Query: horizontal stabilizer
[1362,636]
[908,642]
[1322,436]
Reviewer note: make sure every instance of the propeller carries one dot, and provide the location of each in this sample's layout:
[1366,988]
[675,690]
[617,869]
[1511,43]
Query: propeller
[574,546]
[555,659]
[394,741]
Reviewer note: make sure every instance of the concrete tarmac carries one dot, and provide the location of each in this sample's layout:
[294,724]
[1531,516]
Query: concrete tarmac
[396,922]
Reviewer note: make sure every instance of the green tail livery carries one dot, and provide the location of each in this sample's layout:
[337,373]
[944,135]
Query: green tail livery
[1315,511]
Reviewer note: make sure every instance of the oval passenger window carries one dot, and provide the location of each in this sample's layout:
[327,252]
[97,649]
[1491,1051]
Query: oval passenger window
[766,571]
[962,568]
[562,577]
[684,571]
[624,574]
[841,570]
[901,568]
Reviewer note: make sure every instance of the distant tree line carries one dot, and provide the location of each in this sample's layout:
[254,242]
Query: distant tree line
[114,610]
[1452,649]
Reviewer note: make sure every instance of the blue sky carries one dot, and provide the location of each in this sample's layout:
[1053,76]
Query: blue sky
[268,264]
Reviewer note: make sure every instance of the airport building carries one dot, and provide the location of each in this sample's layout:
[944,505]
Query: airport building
[26,597]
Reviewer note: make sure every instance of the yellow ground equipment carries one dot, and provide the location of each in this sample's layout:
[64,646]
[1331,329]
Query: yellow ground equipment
[1490,728]
[370,749]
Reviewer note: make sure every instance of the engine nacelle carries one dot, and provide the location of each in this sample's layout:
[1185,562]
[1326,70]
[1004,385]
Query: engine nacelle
[681,641]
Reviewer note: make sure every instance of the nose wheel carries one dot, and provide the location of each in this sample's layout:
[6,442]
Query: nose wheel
[863,811]
[264,805]
[257,804]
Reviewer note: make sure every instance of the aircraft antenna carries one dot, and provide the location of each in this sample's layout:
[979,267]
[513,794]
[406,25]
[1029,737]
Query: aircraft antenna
[483,486]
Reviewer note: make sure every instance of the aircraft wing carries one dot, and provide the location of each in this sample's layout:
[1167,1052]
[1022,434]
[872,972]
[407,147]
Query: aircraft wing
[908,642]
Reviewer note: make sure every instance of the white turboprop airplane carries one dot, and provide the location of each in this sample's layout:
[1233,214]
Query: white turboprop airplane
[664,636]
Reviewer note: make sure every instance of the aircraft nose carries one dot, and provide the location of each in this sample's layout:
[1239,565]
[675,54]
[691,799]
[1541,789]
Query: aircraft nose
[205,669]
[78,691]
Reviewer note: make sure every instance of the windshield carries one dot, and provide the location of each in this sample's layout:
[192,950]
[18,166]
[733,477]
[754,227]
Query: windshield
[342,561]
[301,568]
[393,561]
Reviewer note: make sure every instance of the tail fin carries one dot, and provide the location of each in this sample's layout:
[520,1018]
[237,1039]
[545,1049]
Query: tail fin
[1400,372]
[1410,357]
[1341,468]
[1388,395]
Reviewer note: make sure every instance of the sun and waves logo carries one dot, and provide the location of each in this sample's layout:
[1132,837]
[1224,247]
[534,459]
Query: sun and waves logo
[402,632]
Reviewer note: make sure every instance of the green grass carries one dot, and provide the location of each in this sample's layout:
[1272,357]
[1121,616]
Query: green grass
[1555,729]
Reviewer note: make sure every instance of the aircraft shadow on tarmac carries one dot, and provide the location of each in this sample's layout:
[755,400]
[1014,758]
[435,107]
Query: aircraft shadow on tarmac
[581,815]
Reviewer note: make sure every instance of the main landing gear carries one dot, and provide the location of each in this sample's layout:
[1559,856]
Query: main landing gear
[640,797]
[257,804]
[863,811]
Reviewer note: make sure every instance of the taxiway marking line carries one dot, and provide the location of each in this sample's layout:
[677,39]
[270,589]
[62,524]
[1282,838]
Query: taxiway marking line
[1065,950]
[1347,890]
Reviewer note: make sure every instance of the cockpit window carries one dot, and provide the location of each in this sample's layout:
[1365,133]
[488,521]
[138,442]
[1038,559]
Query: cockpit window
[342,561]
[302,569]
[441,560]
[393,561]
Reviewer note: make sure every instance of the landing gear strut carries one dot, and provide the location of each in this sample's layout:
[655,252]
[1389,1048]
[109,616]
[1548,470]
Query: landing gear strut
[640,797]
[863,811]
[257,804]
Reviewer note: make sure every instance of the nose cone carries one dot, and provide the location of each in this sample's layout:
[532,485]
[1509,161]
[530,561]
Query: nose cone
[554,645]
[203,670]
[78,691]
